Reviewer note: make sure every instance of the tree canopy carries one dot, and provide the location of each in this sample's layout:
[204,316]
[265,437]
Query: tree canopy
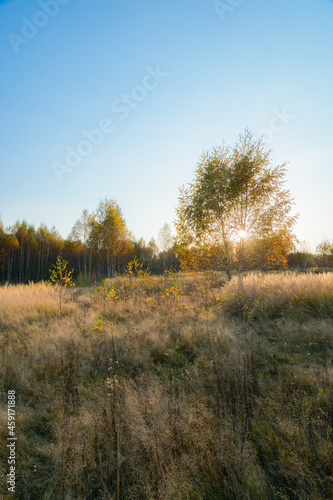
[236,191]
[98,246]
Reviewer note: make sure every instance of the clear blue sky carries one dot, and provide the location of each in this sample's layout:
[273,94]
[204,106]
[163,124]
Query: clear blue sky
[190,74]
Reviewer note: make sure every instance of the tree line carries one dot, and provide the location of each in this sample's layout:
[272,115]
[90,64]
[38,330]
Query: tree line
[98,246]
[236,215]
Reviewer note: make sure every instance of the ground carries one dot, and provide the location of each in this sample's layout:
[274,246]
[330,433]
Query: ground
[175,387]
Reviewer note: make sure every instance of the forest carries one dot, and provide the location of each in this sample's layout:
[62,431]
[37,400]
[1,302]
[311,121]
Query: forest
[27,253]
[237,215]
[99,246]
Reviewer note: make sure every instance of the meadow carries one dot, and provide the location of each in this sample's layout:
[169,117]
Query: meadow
[182,386]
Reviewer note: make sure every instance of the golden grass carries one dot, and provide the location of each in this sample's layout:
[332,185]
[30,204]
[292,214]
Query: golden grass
[273,294]
[18,302]
[171,398]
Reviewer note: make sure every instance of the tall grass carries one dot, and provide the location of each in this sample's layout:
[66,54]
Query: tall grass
[152,397]
[19,301]
[271,295]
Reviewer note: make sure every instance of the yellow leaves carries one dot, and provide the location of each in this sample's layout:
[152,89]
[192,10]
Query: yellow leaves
[174,293]
[60,275]
[243,308]
[103,295]
[99,326]
[134,268]
[142,288]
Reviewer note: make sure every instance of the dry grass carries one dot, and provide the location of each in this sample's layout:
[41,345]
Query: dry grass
[19,302]
[287,293]
[171,396]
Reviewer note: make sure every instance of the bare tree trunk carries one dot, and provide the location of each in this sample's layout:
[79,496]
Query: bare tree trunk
[90,259]
[226,249]
[108,263]
[10,264]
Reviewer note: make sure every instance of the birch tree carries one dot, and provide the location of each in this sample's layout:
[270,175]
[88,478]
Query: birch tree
[236,193]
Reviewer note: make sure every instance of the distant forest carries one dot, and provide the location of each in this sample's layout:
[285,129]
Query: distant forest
[100,246]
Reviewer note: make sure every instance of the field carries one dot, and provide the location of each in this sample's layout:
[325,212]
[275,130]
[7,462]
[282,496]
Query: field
[174,387]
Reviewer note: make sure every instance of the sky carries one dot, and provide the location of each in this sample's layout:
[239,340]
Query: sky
[118,100]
